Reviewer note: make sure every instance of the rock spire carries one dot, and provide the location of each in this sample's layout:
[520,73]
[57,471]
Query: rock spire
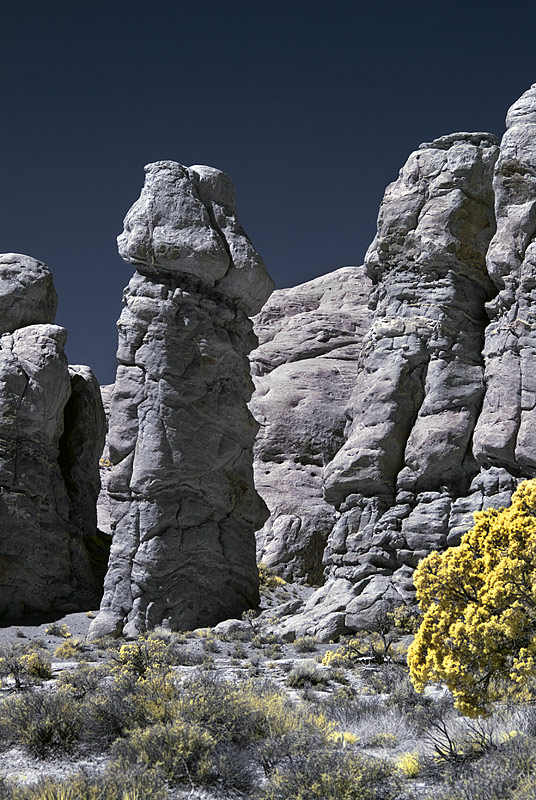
[182,501]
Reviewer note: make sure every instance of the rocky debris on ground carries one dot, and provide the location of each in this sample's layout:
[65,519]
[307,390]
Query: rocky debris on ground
[51,434]
[182,500]
[304,370]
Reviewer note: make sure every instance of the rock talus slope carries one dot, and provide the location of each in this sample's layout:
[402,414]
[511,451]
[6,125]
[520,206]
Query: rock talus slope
[51,435]
[304,370]
[182,501]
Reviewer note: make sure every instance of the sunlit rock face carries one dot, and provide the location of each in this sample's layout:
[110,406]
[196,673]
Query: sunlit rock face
[183,507]
[304,370]
[406,480]
[51,436]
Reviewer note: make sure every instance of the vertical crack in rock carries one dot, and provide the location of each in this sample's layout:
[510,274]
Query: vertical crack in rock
[181,501]
[419,386]
[46,502]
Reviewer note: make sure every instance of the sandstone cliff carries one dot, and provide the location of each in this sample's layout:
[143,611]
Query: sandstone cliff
[182,501]
[440,418]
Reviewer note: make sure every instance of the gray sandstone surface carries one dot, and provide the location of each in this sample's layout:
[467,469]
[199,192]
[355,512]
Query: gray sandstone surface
[183,507]
[304,370]
[441,420]
[48,452]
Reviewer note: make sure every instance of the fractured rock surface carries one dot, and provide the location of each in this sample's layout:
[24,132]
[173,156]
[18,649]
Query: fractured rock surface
[304,370]
[442,415]
[182,501]
[400,482]
[51,432]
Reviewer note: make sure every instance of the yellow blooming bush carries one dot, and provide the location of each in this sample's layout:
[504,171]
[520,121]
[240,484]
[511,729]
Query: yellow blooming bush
[478,632]
[410,765]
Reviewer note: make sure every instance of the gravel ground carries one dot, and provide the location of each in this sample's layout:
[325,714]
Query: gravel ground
[35,628]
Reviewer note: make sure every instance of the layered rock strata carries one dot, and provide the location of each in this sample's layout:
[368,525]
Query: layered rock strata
[304,370]
[51,435]
[183,505]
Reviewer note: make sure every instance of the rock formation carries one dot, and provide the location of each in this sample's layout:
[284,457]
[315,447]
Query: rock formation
[51,435]
[183,504]
[441,416]
[304,371]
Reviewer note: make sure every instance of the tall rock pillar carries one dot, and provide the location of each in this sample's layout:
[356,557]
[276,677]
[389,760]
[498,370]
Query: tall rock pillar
[183,505]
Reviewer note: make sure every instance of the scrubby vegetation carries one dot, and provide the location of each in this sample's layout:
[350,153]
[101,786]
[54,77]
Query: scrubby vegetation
[478,633]
[210,716]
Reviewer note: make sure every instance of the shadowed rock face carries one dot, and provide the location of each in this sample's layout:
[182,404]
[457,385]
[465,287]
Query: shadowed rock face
[51,434]
[304,370]
[182,502]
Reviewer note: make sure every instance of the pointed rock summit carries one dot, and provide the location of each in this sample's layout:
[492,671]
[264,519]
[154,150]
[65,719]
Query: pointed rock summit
[182,503]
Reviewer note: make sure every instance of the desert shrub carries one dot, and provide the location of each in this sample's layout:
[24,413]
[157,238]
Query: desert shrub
[72,648]
[306,673]
[268,578]
[85,679]
[246,713]
[112,785]
[42,721]
[239,651]
[108,713]
[409,764]
[479,607]
[180,749]
[306,644]
[383,739]
[58,630]
[506,773]
[25,663]
[333,775]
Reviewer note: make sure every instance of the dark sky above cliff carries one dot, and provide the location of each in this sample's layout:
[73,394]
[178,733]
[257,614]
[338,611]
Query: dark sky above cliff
[311,108]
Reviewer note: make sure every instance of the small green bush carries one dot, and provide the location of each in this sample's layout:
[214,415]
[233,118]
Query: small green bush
[334,775]
[42,721]
[306,644]
[306,673]
[25,663]
[180,749]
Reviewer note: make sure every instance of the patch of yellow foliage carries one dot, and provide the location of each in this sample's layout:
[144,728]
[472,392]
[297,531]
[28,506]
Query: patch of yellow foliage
[478,632]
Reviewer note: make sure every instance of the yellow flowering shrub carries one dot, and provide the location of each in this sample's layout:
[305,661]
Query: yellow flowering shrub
[409,764]
[478,601]
[268,578]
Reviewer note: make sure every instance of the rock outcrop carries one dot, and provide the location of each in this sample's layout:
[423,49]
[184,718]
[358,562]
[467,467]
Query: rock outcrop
[51,434]
[304,370]
[442,413]
[183,504]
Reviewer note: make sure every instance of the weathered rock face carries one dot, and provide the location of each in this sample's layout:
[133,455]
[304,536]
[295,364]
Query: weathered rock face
[184,508]
[304,370]
[506,430]
[442,415]
[51,432]
[402,482]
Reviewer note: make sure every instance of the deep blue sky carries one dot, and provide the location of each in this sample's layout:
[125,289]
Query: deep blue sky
[311,108]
